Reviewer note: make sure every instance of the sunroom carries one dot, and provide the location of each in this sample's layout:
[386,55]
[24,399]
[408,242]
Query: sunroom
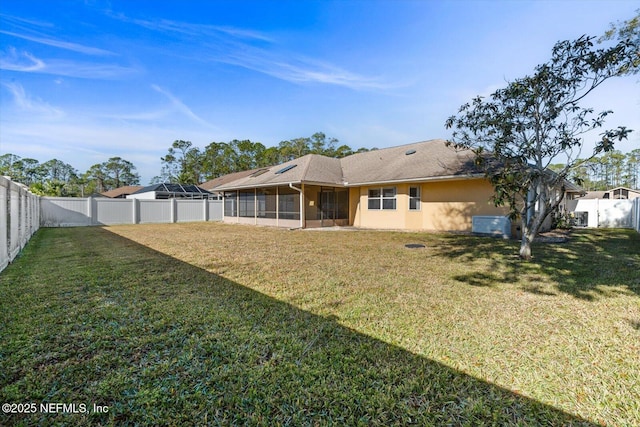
[303,193]
[291,206]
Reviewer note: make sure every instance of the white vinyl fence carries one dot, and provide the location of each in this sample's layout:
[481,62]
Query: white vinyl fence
[606,213]
[19,219]
[74,212]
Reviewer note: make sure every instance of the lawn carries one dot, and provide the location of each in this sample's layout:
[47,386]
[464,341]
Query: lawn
[214,324]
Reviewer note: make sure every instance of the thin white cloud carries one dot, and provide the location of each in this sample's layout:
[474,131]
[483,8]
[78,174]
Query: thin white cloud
[25,103]
[20,61]
[261,53]
[12,60]
[180,106]
[17,21]
[88,70]
[185,28]
[75,47]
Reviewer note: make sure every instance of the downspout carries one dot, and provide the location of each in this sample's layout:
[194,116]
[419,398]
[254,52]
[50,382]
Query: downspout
[301,203]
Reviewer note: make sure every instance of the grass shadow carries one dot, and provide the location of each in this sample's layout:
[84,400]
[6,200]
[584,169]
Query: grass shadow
[591,265]
[92,318]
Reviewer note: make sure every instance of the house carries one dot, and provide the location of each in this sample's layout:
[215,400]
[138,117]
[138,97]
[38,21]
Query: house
[613,194]
[121,192]
[170,191]
[421,186]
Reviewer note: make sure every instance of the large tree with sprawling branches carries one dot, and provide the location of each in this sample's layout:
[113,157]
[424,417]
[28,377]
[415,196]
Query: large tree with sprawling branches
[518,131]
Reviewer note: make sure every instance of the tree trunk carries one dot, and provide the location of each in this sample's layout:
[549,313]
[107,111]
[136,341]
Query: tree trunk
[528,234]
[525,247]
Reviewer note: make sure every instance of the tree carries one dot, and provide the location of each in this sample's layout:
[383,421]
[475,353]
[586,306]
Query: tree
[294,148]
[183,163]
[522,129]
[114,173]
[10,166]
[216,159]
[633,169]
[627,30]
[58,179]
[121,172]
[97,177]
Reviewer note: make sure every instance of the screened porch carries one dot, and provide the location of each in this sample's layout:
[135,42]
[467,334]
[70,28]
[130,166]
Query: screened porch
[282,206]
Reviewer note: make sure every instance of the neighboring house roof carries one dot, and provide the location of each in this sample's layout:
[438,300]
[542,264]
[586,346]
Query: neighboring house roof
[614,193]
[121,191]
[425,160]
[570,187]
[172,188]
[613,190]
[594,195]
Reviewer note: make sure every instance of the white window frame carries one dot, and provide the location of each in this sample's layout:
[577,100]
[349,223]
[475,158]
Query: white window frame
[417,198]
[381,198]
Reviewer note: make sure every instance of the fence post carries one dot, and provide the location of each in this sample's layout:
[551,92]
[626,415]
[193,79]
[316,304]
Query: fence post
[174,210]
[4,225]
[90,209]
[136,208]
[22,207]
[205,210]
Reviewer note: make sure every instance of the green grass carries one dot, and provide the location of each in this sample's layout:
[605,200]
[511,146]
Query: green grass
[213,324]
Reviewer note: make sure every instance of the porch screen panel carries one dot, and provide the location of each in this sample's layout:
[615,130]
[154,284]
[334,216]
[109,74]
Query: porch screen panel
[288,203]
[266,203]
[342,205]
[247,204]
[230,203]
[333,204]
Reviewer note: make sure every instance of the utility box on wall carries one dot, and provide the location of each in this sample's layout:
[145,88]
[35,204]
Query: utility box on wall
[499,226]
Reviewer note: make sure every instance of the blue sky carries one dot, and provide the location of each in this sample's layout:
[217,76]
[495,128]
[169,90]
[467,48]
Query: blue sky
[82,81]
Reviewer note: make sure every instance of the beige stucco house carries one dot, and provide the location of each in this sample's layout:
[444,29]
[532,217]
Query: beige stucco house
[420,186]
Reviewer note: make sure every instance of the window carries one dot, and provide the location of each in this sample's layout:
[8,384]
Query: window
[382,198]
[414,198]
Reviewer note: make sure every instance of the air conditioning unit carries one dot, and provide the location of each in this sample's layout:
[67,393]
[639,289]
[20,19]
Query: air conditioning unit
[499,226]
[580,219]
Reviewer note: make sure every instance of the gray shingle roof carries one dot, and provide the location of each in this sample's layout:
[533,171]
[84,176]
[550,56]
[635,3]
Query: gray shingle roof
[427,160]
[212,184]
[421,160]
[312,168]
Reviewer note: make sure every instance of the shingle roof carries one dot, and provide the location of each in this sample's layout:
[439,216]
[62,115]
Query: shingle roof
[418,161]
[224,179]
[122,191]
[312,168]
